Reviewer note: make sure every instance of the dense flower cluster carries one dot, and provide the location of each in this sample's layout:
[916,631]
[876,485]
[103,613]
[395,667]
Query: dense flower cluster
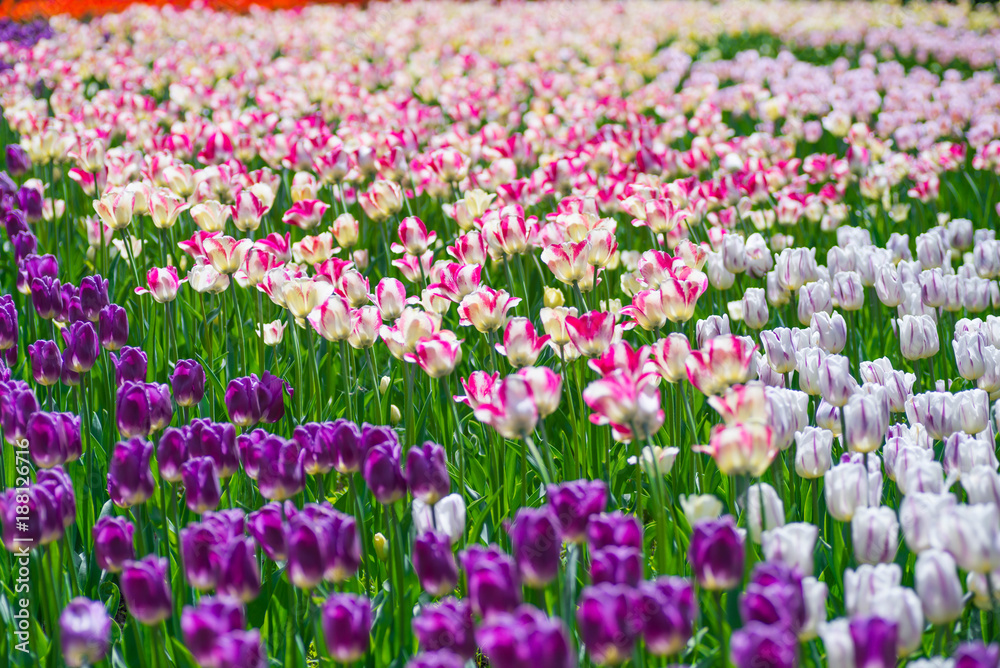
[544,334]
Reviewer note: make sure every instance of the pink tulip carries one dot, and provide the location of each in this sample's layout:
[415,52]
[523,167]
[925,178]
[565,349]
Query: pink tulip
[414,237]
[248,211]
[647,309]
[546,388]
[679,297]
[438,354]
[591,332]
[305,214]
[741,448]
[725,360]
[455,281]
[225,254]
[279,246]
[669,357]
[390,298]
[365,324]
[622,357]
[568,261]
[511,411]
[162,284]
[411,326]
[631,406]
[332,319]
[478,388]
[486,309]
[521,344]
[469,248]
[414,268]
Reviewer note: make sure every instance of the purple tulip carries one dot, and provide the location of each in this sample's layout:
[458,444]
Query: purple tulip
[46,297]
[93,296]
[874,642]
[618,565]
[53,438]
[281,474]
[341,548]
[249,445]
[84,630]
[383,474]
[59,484]
[446,626]
[130,365]
[614,529]
[977,655]
[774,596]
[112,326]
[50,510]
[201,546]
[133,410]
[493,583]
[243,649]
[205,625]
[440,659]
[434,563]
[68,377]
[716,554]
[347,623]
[146,590]
[8,323]
[372,435]
[314,439]
[19,532]
[113,543]
[172,452]
[347,447]
[130,480]
[216,440]
[758,644]
[18,163]
[14,222]
[606,621]
[201,484]
[427,472]
[668,611]
[17,404]
[271,397]
[25,244]
[239,575]
[30,201]
[574,503]
[526,637]
[82,346]
[188,382]
[306,561]
[536,542]
[242,402]
[267,528]
[32,266]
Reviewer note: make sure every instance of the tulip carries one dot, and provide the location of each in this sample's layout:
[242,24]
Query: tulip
[774,511]
[53,438]
[836,384]
[545,386]
[46,362]
[239,575]
[604,620]
[113,327]
[438,354]
[486,309]
[131,365]
[130,480]
[521,345]
[205,626]
[383,475]
[918,338]
[977,655]
[791,544]
[161,284]
[669,356]
[188,382]
[509,640]
[281,472]
[574,503]
[84,627]
[346,620]
[724,361]
[47,297]
[493,583]
[591,333]
[427,472]
[813,452]
[511,410]
[142,408]
[618,565]
[874,642]
[972,535]
[434,563]
[536,542]
[115,209]
[201,483]
[113,543]
[446,626]
[760,644]
[875,534]
[741,448]
[631,407]
[146,590]
[306,563]
[716,554]
[938,587]
[754,305]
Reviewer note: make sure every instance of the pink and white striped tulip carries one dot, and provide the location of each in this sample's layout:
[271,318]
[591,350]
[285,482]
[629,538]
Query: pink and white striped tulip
[521,343]
[486,309]
[162,284]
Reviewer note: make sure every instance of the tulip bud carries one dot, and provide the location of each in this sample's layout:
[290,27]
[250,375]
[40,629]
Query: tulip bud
[113,546]
[394,415]
[347,621]
[536,542]
[938,587]
[146,590]
[835,381]
[553,297]
[755,311]
[381,544]
[716,554]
